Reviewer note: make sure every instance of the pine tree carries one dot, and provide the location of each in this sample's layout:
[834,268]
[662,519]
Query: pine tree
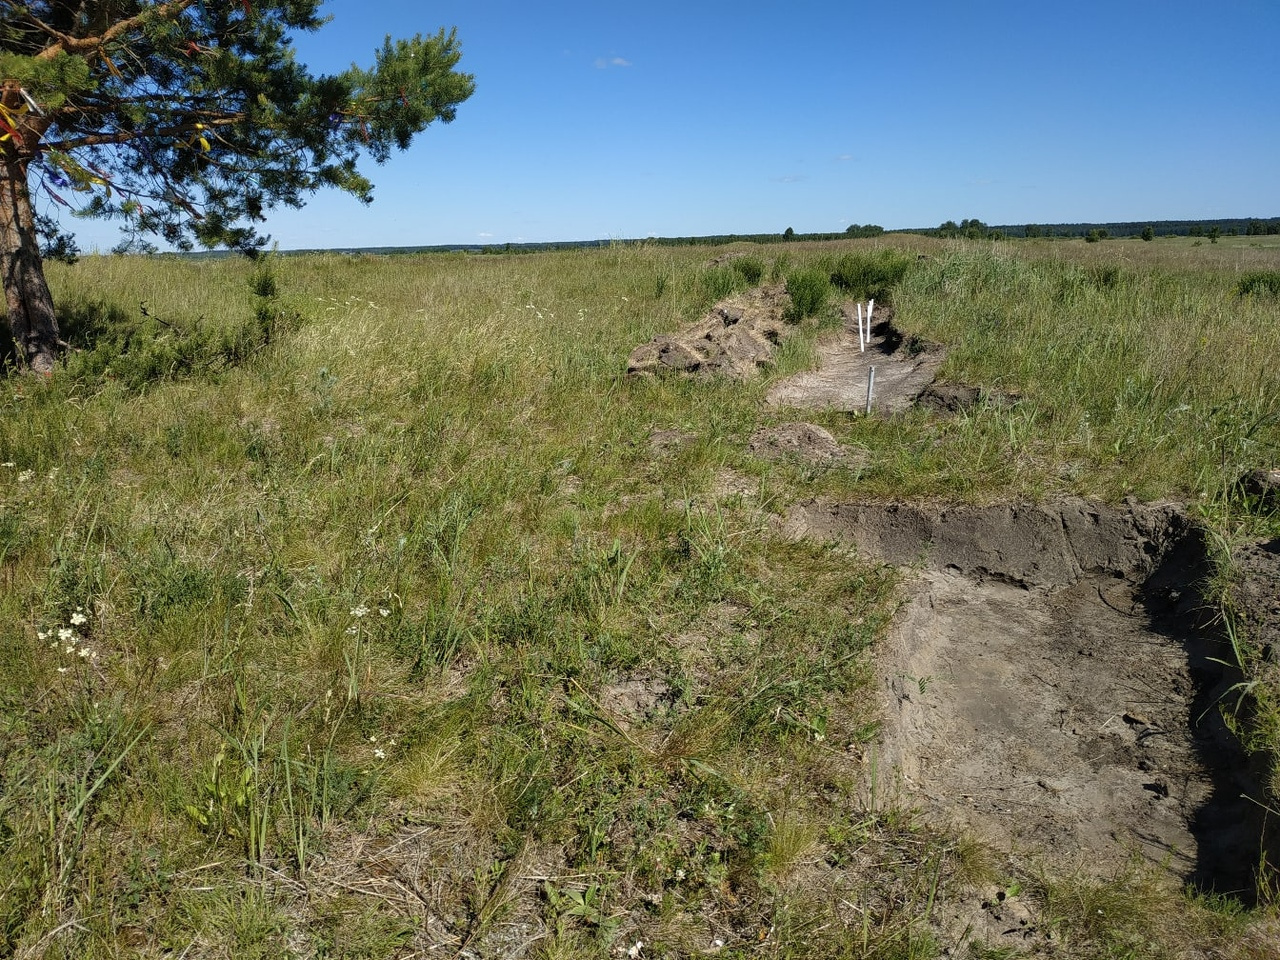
[188,119]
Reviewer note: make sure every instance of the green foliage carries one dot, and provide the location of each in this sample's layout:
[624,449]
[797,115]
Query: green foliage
[859,230]
[871,275]
[751,268]
[972,229]
[140,349]
[720,282]
[1259,283]
[808,289]
[1148,233]
[156,114]
[383,611]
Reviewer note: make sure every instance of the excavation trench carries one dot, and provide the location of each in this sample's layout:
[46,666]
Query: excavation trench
[1051,684]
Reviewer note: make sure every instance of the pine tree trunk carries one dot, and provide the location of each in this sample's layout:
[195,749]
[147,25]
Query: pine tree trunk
[26,293]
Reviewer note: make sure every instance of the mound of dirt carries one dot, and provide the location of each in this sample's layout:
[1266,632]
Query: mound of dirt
[736,339]
[802,441]
[1049,684]
[961,397]
[904,368]
[1255,595]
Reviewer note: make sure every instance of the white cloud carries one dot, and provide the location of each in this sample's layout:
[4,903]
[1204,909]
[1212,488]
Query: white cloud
[483,234]
[604,63]
[791,178]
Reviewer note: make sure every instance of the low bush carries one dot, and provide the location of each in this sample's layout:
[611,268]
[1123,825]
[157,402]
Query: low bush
[809,290]
[870,275]
[720,282]
[1260,283]
[751,268]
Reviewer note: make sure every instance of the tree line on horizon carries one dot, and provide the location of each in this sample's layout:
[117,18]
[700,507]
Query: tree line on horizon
[1147,230]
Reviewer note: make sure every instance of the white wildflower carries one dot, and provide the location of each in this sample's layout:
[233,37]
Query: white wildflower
[634,950]
[380,754]
[78,619]
[384,612]
[359,611]
[26,475]
[65,634]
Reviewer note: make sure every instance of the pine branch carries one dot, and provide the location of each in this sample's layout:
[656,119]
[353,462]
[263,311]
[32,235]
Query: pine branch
[65,43]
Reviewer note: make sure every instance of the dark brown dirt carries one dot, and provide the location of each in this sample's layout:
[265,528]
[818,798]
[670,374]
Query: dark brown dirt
[960,397]
[1050,684]
[1255,595]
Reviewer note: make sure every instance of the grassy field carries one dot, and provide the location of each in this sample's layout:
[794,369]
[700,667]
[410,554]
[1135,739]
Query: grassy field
[350,611]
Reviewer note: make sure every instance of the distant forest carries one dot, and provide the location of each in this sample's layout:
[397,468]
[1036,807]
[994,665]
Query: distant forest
[1146,229]
[967,229]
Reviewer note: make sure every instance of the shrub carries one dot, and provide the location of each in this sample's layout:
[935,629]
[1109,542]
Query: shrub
[1261,283]
[870,276]
[808,290]
[720,282]
[751,268]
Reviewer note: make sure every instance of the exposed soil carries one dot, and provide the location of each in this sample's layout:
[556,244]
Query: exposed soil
[736,338]
[904,368]
[1049,684]
[804,442]
[1053,679]
[1256,596]
[961,397]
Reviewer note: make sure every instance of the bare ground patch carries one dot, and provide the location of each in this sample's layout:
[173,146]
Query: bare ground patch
[904,368]
[1050,684]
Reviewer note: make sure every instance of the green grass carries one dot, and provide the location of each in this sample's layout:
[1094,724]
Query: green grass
[353,577]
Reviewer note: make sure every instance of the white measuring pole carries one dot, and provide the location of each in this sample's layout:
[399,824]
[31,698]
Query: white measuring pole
[871,385]
[862,340]
[870,306]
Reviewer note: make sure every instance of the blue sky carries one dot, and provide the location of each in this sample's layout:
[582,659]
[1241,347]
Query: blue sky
[598,120]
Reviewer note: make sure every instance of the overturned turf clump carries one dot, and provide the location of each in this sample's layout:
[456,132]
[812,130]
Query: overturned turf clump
[1051,684]
[736,338]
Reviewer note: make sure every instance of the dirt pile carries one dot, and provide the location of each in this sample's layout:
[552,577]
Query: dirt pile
[1256,595]
[1049,685]
[805,442]
[736,338]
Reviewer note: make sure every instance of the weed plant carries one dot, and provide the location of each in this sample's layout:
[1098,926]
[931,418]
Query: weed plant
[1264,283]
[871,275]
[809,289]
[349,609]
